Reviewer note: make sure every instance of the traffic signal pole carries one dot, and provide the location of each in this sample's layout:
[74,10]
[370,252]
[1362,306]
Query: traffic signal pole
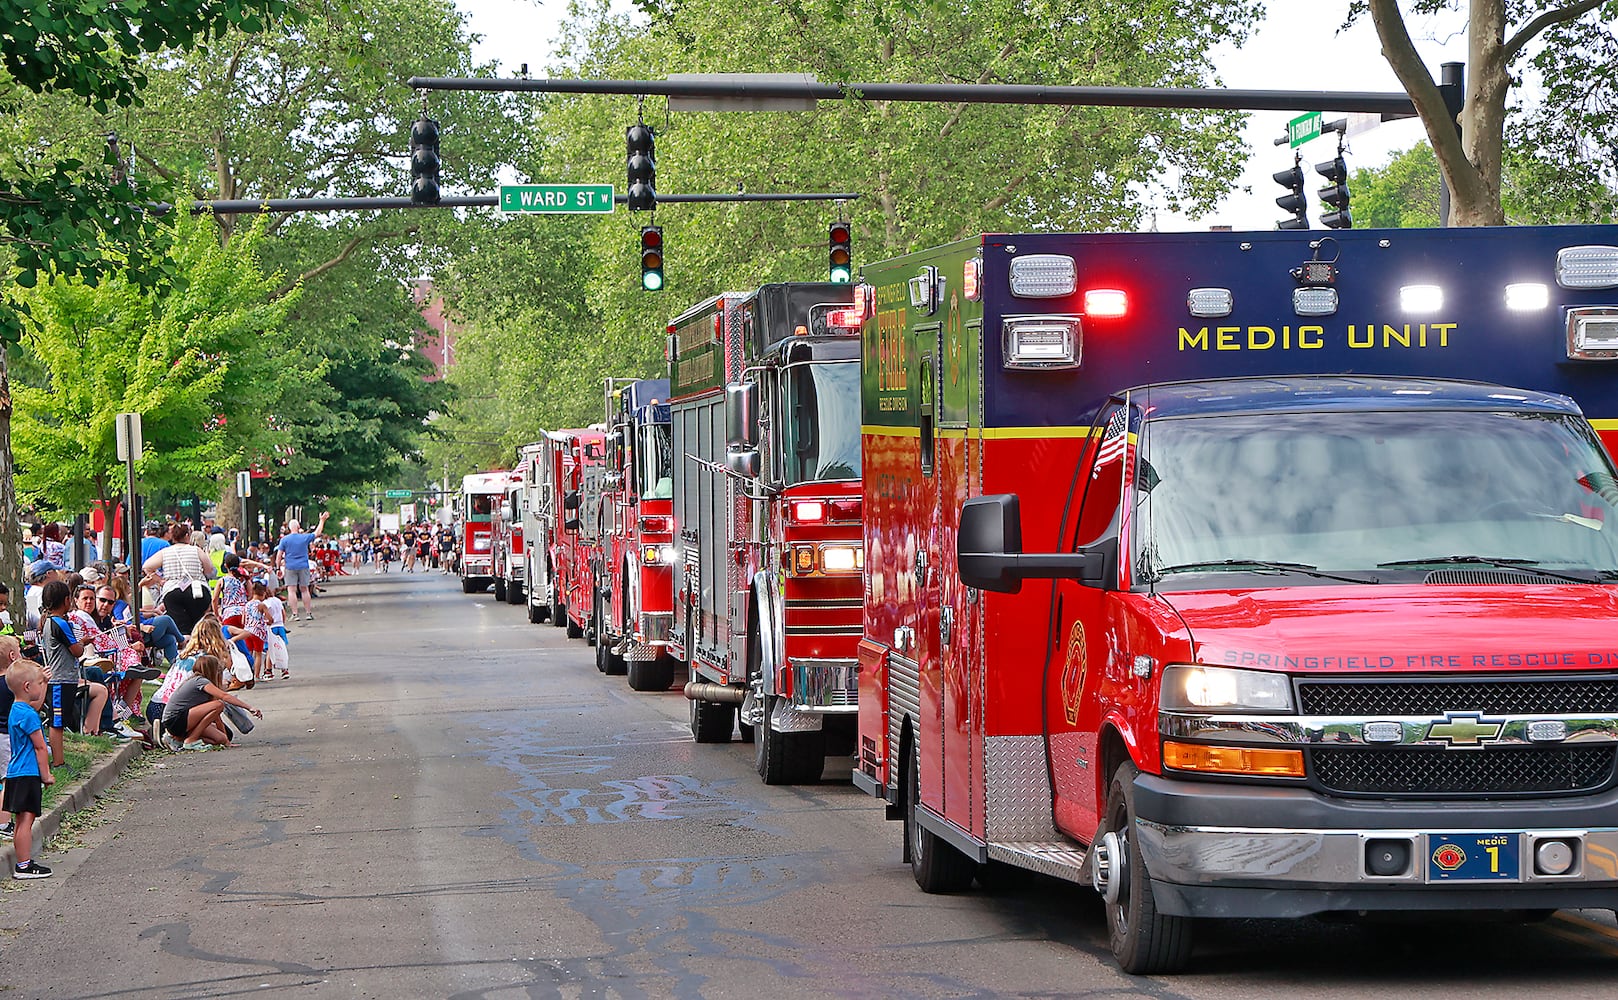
[249,206]
[1389,105]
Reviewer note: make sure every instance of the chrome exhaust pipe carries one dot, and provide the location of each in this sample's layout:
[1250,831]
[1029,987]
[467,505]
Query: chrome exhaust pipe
[722,694]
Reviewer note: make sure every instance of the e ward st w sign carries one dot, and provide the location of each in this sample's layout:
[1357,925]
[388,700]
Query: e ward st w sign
[557,199]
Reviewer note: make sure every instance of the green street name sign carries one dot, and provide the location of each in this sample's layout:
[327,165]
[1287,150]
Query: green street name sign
[556,199]
[400,494]
[1303,128]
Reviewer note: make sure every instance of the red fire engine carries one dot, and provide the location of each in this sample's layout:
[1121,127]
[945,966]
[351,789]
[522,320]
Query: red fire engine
[1163,600]
[765,416]
[577,465]
[533,509]
[634,580]
[481,493]
[506,543]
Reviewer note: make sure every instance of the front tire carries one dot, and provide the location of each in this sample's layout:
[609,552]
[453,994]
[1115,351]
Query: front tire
[468,586]
[1144,942]
[513,592]
[537,613]
[937,866]
[651,675]
[499,588]
[712,722]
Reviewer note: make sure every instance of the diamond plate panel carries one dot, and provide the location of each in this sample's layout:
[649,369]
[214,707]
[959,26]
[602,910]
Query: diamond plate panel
[1017,790]
[1058,859]
[904,701]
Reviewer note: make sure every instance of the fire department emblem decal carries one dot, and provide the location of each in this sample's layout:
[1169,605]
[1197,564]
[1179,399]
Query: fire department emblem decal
[954,348]
[1073,668]
[1449,857]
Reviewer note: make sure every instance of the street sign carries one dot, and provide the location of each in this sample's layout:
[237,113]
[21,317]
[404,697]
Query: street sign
[399,494]
[556,199]
[1303,128]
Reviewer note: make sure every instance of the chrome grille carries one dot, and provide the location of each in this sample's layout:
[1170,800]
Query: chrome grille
[1548,696]
[1505,771]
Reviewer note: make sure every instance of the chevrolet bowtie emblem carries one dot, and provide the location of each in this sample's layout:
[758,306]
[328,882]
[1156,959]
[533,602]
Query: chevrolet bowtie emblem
[1463,731]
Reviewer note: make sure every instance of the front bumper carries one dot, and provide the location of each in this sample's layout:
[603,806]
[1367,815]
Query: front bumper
[825,686]
[1221,850]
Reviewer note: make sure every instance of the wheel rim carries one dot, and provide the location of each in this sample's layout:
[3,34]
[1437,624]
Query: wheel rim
[1120,871]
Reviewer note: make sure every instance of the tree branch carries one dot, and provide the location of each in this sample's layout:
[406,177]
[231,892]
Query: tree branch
[988,71]
[1547,18]
[359,239]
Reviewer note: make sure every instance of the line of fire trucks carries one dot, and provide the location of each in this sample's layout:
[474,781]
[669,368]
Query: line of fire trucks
[1231,574]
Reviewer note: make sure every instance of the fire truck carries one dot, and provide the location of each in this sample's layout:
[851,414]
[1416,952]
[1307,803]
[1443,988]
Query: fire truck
[507,543]
[577,466]
[635,593]
[1247,574]
[765,415]
[481,493]
[533,509]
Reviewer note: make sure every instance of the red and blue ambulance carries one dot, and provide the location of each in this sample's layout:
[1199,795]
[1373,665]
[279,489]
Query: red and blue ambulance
[1247,574]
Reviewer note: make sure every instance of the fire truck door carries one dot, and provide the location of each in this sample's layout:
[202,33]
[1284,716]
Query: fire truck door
[955,450]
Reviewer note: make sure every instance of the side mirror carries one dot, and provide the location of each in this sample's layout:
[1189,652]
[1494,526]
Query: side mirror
[741,415]
[743,463]
[989,556]
[571,500]
[990,532]
[615,450]
[572,524]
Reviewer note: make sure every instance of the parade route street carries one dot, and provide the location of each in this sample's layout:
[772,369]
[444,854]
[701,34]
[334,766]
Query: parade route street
[448,801]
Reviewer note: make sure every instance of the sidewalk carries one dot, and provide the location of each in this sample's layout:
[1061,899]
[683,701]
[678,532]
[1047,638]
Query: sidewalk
[78,795]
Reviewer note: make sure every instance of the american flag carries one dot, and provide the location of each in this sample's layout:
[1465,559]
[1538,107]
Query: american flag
[1114,439]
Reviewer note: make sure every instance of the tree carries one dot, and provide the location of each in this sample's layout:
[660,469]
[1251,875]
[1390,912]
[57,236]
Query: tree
[191,362]
[1401,194]
[1571,43]
[55,213]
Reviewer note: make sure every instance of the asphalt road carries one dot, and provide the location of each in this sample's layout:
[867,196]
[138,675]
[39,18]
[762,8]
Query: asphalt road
[447,801]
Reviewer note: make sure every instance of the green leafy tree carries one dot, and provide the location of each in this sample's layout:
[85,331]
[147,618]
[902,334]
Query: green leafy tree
[1401,194]
[1571,45]
[71,214]
[185,360]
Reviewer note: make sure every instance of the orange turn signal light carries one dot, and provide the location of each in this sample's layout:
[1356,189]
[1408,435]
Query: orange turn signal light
[1233,760]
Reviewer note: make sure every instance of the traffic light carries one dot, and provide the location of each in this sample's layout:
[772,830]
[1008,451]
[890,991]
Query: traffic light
[1334,196]
[1293,201]
[651,258]
[641,148]
[424,161]
[840,241]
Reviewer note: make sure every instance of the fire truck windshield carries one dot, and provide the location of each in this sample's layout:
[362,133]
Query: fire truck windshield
[656,460]
[1380,496]
[480,503]
[822,426]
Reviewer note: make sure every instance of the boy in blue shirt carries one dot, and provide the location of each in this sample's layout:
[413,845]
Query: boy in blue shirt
[29,769]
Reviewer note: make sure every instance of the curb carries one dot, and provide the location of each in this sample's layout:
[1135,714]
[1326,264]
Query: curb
[76,797]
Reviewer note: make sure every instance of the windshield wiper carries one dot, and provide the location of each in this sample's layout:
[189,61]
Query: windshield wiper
[1256,564]
[1525,565]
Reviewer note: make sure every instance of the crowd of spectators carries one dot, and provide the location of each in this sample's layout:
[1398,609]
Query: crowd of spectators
[75,656]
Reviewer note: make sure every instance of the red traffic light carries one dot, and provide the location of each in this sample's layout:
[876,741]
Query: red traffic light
[651,238]
[839,233]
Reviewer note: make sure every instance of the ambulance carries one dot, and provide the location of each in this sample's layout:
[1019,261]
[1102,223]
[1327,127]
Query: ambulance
[1247,574]
[481,493]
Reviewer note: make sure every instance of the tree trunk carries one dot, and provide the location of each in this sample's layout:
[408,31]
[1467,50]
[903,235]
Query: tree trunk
[10,521]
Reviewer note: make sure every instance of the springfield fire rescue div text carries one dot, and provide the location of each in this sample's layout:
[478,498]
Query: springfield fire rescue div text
[1306,338]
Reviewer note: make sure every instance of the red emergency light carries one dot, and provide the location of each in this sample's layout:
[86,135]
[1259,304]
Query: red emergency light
[1105,303]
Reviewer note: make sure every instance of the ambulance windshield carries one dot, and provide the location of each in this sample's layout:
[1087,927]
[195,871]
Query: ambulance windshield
[656,449]
[1377,497]
[822,422]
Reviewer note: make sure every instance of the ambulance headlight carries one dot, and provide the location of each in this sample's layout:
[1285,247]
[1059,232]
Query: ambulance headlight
[1527,296]
[1040,342]
[1587,267]
[1421,298]
[1314,301]
[1043,276]
[1196,688]
[1210,303]
[1592,334]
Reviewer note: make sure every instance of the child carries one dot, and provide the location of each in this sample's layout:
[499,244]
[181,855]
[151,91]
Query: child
[275,645]
[192,715]
[10,652]
[29,769]
[61,652]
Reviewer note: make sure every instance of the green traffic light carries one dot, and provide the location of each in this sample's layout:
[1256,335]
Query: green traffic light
[841,276]
[651,281]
